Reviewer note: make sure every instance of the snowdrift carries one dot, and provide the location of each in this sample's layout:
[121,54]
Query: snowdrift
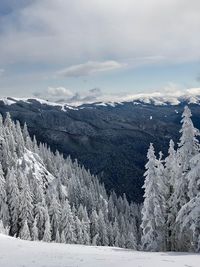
[17,253]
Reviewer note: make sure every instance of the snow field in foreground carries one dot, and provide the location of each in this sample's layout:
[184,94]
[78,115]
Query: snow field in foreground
[20,253]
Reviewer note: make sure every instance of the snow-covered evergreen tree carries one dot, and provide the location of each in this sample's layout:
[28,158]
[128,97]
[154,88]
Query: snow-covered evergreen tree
[170,174]
[188,147]
[35,230]
[47,229]
[153,217]
[24,231]
[67,223]
[13,198]
[188,218]
[26,202]
[103,233]
[54,212]
[4,215]
[116,234]
[94,228]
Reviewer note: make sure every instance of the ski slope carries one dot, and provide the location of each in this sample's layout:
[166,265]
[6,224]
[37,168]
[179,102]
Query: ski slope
[20,253]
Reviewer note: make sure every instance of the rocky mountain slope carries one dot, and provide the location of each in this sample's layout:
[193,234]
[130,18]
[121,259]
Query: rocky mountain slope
[109,139]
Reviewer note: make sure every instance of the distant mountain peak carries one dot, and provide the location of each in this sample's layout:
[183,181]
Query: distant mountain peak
[174,97]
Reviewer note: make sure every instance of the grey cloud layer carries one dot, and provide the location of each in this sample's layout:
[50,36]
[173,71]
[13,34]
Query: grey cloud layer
[83,30]
[89,68]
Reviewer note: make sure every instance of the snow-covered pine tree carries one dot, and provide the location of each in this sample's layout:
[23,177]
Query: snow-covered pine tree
[153,215]
[35,230]
[193,177]
[24,231]
[94,228]
[103,233]
[4,214]
[3,230]
[47,228]
[188,147]
[116,233]
[188,218]
[170,175]
[54,212]
[26,203]
[67,223]
[13,198]
[79,231]
[27,139]
[62,238]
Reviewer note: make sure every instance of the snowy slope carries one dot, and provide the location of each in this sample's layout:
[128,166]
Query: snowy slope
[18,253]
[33,163]
[13,100]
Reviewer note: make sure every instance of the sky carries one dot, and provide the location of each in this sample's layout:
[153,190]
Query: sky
[90,49]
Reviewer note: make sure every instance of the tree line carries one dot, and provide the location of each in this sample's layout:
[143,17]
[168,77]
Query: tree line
[44,196]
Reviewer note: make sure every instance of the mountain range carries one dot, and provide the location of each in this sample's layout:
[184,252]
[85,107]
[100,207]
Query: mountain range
[111,139]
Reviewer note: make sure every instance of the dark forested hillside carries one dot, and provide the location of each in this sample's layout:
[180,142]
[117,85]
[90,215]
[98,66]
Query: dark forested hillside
[109,140]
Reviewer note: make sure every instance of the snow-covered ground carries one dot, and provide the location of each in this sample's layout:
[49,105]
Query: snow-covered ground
[19,253]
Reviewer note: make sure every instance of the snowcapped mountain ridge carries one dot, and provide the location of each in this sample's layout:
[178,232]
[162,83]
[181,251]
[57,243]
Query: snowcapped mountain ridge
[190,96]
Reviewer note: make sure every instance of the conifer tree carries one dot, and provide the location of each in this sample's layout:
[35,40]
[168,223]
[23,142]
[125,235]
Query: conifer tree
[94,228]
[35,235]
[67,223]
[79,231]
[153,220]
[116,234]
[26,202]
[54,213]
[103,234]
[62,237]
[4,214]
[13,198]
[47,229]
[24,231]
[188,218]
[188,148]
[57,239]
[170,175]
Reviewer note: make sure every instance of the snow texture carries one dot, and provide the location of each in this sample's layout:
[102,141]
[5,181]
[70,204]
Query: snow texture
[20,253]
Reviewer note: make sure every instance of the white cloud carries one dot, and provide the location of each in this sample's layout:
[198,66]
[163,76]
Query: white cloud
[78,31]
[89,68]
[193,91]
[59,92]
